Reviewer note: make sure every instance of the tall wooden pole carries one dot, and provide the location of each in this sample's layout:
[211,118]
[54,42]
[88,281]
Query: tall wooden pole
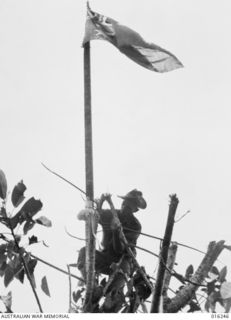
[90,243]
[158,290]
[88,123]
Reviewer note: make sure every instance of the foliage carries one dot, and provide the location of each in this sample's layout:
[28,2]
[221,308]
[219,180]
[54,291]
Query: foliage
[105,300]
[15,260]
[19,216]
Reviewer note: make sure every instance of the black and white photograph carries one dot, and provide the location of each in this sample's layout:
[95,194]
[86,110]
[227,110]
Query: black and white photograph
[115,163]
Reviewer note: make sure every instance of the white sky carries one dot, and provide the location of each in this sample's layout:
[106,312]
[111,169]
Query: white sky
[160,133]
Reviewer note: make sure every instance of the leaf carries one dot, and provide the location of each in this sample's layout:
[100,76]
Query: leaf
[225,290]
[44,286]
[44,243]
[213,298]
[44,221]
[223,274]
[17,195]
[3,258]
[228,247]
[211,287]
[29,209]
[3,248]
[227,305]
[28,226]
[15,263]
[14,221]
[213,273]
[31,265]
[33,239]
[32,206]
[76,295]
[3,185]
[20,275]
[189,271]
[3,268]
[214,270]
[7,300]
[3,212]
[10,249]
[194,307]
[9,276]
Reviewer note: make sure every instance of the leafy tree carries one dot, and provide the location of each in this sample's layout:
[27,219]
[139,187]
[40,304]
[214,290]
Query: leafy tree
[15,260]
[205,289]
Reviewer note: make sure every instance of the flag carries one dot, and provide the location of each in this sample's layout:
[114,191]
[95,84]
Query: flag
[129,42]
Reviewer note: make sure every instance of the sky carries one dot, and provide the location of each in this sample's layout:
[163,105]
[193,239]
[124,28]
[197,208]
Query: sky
[160,133]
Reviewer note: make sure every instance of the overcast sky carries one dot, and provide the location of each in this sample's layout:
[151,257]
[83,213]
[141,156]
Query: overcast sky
[160,133]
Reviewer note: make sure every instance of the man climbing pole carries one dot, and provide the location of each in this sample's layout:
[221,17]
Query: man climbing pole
[113,259]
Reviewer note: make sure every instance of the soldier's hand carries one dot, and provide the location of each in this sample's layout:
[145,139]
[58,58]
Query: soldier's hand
[115,225]
[106,196]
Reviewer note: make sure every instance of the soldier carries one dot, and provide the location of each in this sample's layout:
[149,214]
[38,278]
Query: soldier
[114,249]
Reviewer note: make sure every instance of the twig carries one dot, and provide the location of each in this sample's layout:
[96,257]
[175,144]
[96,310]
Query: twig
[185,214]
[64,179]
[26,270]
[161,239]
[170,264]
[56,268]
[72,236]
[164,254]
[70,290]
[145,250]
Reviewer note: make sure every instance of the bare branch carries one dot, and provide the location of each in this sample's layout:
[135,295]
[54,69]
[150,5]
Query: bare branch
[170,265]
[164,254]
[70,290]
[185,214]
[148,251]
[72,236]
[56,268]
[64,179]
[27,272]
[161,239]
[186,293]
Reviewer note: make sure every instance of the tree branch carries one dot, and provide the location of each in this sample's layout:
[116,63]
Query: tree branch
[27,272]
[70,290]
[164,254]
[90,229]
[64,179]
[184,296]
[170,265]
[56,268]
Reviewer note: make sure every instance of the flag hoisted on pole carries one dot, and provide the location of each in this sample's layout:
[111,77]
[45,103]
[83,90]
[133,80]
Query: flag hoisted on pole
[145,54]
[129,42]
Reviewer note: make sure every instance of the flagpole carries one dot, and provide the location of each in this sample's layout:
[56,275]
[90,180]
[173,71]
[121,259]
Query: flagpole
[88,123]
[90,243]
